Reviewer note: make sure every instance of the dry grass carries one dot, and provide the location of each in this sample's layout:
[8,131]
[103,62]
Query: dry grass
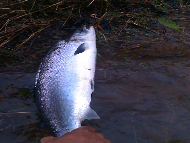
[29,17]
[16,18]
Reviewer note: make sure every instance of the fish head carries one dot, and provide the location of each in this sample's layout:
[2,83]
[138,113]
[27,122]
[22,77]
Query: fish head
[83,43]
[84,34]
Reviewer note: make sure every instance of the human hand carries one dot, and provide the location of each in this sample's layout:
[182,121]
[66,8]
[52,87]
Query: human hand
[84,134]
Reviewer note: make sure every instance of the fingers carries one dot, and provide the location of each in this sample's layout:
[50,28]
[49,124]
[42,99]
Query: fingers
[80,135]
[88,128]
[107,141]
[48,139]
[101,136]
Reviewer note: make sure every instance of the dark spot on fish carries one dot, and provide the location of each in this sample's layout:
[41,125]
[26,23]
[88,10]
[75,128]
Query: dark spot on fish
[92,84]
[80,49]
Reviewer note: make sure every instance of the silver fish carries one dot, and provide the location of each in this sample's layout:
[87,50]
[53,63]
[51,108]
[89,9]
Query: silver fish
[65,82]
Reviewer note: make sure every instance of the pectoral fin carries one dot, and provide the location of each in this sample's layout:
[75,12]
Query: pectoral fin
[91,114]
[83,47]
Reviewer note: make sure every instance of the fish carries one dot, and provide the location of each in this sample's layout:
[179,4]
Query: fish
[65,81]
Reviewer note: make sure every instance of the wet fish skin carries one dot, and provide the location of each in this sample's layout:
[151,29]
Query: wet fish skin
[65,82]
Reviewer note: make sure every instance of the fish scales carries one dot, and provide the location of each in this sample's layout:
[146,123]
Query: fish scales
[65,82]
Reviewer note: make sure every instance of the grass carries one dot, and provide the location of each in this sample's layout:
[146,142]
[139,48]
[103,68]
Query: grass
[22,20]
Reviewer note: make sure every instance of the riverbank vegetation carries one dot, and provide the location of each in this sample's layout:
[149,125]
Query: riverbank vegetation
[23,20]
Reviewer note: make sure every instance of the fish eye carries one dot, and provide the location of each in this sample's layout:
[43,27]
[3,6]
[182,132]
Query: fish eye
[88,26]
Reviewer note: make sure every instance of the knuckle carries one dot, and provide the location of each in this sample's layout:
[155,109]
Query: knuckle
[100,135]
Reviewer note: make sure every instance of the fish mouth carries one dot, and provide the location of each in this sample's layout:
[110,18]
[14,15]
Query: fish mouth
[84,34]
[83,29]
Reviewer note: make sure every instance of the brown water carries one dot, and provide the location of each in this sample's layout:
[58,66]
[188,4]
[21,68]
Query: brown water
[141,90]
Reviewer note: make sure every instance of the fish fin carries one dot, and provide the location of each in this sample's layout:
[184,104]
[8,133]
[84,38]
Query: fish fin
[91,114]
[83,47]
